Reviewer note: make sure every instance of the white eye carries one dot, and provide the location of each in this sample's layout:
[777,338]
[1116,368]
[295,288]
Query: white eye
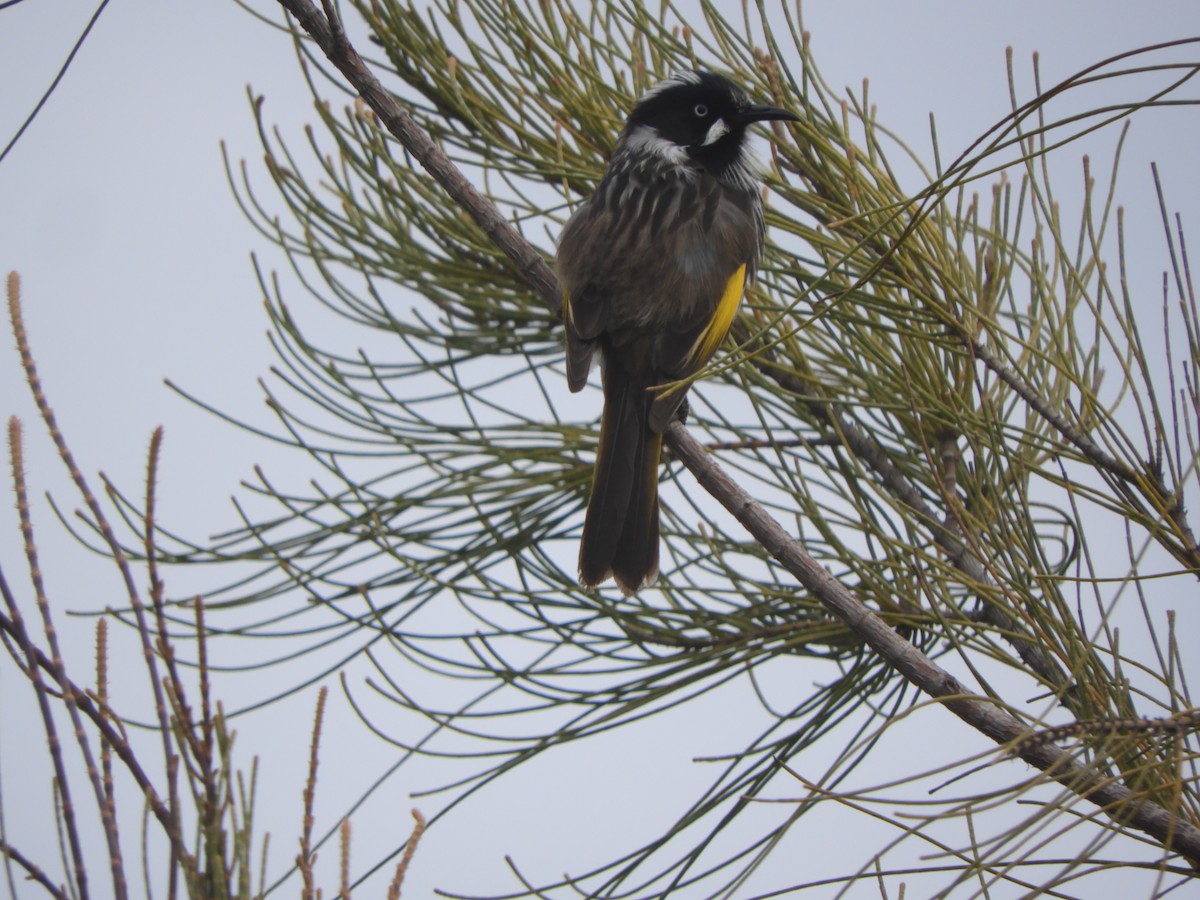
[700,110]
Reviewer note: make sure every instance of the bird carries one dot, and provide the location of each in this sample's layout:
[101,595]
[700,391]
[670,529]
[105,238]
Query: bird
[652,267]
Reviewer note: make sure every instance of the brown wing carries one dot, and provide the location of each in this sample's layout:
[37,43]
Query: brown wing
[645,265]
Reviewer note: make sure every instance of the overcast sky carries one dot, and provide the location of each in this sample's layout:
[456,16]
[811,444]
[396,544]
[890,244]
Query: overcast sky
[135,267]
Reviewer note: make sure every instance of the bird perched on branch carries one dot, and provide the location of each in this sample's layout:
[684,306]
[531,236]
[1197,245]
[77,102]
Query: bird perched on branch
[653,267]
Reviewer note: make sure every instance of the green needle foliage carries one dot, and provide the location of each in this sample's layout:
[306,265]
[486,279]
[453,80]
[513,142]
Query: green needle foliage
[950,393]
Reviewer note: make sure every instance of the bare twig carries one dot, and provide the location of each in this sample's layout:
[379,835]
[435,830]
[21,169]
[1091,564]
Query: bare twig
[165,650]
[33,871]
[75,699]
[99,519]
[344,868]
[21,634]
[1183,721]
[100,719]
[305,860]
[410,849]
[102,703]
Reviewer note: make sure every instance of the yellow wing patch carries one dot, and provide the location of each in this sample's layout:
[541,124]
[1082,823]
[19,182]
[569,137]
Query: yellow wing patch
[710,338]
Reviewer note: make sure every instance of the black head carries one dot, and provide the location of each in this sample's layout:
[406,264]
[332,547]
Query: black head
[703,114]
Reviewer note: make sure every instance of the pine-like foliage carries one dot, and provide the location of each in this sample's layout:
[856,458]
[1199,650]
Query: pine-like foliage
[945,389]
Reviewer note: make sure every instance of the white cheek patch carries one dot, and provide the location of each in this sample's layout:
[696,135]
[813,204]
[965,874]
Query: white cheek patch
[716,131]
[645,139]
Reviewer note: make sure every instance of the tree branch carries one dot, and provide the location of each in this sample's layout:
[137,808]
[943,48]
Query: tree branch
[867,449]
[982,714]
[327,32]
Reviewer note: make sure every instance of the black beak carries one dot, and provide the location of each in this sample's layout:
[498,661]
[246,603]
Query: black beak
[751,114]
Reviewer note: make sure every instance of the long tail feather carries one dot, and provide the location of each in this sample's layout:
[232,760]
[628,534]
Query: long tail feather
[620,531]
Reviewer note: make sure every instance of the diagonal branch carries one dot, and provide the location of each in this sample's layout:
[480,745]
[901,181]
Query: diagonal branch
[980,713]
[326,30]
[983,715]
[867,449]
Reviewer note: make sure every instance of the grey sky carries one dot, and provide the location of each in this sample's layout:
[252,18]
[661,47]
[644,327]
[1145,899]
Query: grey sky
[135,266]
